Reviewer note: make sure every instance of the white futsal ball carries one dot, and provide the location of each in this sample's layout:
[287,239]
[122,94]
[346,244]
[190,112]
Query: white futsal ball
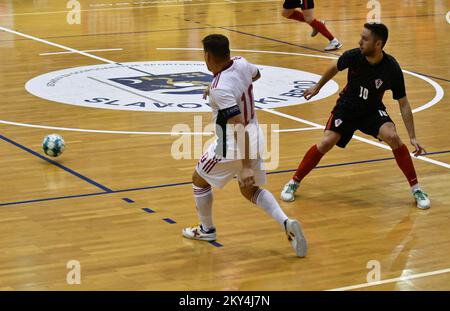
[53,145]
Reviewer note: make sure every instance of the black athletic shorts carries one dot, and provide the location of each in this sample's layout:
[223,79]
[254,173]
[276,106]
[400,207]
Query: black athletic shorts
[303,4]
[344,123]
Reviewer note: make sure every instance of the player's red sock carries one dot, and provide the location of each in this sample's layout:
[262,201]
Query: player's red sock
[322,29]
[310,160]
[297,15]
[405,163]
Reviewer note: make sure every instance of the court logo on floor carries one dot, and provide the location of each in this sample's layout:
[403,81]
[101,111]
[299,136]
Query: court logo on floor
[166,86]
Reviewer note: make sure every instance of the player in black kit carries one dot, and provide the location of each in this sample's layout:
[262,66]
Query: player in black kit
[370,73]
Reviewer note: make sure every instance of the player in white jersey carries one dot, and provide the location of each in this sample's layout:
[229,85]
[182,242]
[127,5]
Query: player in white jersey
[236,151]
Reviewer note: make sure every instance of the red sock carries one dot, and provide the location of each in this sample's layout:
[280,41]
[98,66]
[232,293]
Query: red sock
[297,15]
[405,163]
[310,160]
[322,29]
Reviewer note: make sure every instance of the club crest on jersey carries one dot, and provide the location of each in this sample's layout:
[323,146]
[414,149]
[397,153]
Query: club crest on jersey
[337,122]
[378,83]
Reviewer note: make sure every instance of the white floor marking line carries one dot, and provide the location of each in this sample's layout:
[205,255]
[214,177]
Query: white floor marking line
[100,50]
[138,7]
[393,280]
[365,140]
[423,158]
[288,116]
[298,129]
[438,89]
[57,45]
[253,51]
[104,131]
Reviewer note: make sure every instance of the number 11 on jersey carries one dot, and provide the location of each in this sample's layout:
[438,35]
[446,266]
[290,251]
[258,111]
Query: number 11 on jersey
[248,104]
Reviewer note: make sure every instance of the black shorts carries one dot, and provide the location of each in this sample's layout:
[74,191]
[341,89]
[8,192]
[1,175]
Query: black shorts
[303,4]
[346,124]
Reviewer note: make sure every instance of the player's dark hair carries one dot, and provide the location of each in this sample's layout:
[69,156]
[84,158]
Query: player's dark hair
[379,31]
[217,45]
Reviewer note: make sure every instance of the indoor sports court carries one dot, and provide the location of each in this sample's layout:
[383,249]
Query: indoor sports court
[122,82]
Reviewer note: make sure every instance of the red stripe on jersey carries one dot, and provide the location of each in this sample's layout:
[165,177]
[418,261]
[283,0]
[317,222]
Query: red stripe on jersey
[208,165]
[202,190]
[329,121]
[212,166]
[216,81]
[244,101]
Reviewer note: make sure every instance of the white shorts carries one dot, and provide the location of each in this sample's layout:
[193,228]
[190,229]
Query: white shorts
[218,171]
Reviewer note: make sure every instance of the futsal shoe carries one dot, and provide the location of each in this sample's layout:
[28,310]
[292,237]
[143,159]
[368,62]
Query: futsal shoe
[422,199]
[334,45]
[295,236]
[198,233]
[288,192]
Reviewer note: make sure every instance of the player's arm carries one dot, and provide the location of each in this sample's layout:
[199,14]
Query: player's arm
[247,174]
[331,71]
[231,114]
[206,92]
[408,119]
[258,75]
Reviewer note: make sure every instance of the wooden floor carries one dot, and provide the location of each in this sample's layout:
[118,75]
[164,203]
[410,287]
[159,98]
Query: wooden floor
[355,208]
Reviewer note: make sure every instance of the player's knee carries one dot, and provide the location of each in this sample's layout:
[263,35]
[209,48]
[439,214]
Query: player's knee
[198,181]
[326,144]
[393,140]
[248,192]
[309,19]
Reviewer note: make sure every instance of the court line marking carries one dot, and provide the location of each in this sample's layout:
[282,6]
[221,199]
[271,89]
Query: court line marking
[421,275]
[252,51]
[189,182]
[439,94]
[63,47]
[434,100]
[70,171]
[69,52]
[438,89]
[103,131]
[138,8]
[362,139]
[392,280]
[297,129]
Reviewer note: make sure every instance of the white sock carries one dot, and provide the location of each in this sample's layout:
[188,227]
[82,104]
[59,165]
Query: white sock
[203,202]
[293,181]
[415,188]
[267,202]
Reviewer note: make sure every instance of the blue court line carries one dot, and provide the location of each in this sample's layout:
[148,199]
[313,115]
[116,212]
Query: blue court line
[170,221]
[96,184]
[148,210]
[279,41]
[312,49]
[188,182]
[128,200]
[56,198]
[216,244]
[430,76]
[211,26]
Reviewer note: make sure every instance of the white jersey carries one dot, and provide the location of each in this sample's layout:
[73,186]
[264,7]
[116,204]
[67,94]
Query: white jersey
[231,93]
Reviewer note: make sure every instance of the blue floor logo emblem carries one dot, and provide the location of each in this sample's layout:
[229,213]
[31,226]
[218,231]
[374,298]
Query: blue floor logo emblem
[166,86]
